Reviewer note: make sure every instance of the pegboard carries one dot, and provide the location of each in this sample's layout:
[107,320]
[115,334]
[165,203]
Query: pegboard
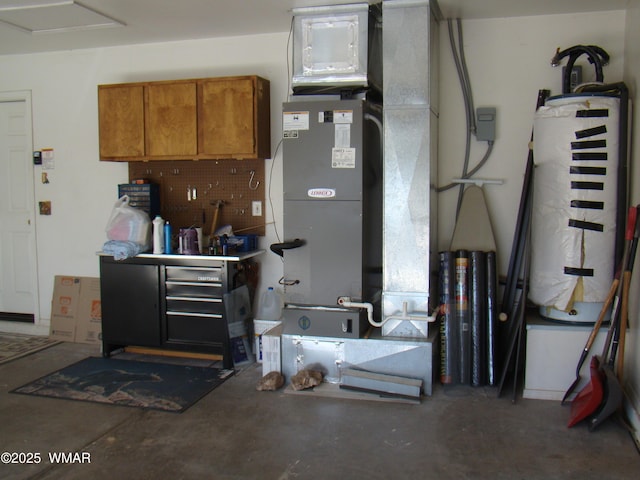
[190,189]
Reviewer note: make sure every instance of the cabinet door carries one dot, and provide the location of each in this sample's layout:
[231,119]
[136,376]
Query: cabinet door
[171,130]
[130,296]
[121,121]
[226,119]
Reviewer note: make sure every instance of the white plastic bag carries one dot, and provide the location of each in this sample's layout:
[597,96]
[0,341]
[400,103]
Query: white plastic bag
[129,224]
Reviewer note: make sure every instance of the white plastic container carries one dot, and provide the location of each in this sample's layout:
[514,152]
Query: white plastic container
[270,305]
[158,235]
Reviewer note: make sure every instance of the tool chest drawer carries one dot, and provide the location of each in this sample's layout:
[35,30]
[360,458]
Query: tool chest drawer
[195,274]
[194,328]
[197,290]
[195,305]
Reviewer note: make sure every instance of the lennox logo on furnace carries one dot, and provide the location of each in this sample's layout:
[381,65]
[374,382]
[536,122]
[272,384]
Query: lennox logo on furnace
[321,193]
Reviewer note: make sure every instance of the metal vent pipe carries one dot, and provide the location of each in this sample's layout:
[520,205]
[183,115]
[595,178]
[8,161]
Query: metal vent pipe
[410,96]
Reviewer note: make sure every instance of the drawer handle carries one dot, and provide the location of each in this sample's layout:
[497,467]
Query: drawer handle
[195,284]
[196,299]
[194,269]
[189,314]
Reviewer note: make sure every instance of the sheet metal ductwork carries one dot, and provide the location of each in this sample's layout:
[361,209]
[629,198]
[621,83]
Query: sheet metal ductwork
[410,93]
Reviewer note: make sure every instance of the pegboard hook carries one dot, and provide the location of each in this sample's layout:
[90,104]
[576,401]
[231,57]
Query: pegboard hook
[252,174]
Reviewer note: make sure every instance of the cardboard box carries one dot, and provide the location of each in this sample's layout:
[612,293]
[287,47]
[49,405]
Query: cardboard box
[76,311]
[271,356]
[260,327]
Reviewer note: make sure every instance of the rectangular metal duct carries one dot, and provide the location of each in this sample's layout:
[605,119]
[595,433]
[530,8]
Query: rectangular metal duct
[410,92]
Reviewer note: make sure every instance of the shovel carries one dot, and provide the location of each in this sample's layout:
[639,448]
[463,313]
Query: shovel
[592,337]
[590,397]
[612,398]
[604,393]
[611,388]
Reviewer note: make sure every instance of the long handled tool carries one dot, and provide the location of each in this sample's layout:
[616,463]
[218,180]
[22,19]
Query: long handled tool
[604,394]
[592,336]
[613,393]
[625,294]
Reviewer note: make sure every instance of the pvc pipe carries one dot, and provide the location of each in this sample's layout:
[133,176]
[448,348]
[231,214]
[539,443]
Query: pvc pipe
[414,316]
[345,302]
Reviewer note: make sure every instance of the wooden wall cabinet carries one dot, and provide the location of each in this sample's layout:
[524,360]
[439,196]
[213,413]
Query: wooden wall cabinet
[121,122]
[201,119]
[171,129]
[234,118]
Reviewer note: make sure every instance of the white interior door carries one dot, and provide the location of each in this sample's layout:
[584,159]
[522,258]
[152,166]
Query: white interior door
[17,239]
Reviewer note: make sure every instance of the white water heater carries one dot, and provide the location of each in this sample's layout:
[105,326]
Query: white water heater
[574,217]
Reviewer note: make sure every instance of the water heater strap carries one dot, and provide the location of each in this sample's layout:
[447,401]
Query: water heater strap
[581,272]
[591,132]
[597,156]
[593,205]
[594,113]
[596,227]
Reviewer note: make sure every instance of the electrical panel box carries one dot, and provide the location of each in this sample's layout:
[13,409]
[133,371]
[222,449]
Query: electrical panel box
[486,124]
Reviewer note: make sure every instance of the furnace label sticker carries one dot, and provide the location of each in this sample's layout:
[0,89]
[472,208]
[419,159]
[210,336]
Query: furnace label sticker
[336,116]
[343,157]
[343,116]
[290,134]
[295,121]
[342,136]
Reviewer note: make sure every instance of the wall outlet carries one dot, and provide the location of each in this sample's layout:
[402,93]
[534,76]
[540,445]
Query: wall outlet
[256,208]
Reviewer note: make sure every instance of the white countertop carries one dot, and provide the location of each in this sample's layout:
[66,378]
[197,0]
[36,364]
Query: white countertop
[236,257]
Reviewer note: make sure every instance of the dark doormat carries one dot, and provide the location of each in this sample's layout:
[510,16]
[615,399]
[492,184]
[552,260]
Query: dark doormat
[159,386]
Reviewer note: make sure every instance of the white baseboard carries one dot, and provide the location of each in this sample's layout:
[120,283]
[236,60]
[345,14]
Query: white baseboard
[26,328]
[632,410]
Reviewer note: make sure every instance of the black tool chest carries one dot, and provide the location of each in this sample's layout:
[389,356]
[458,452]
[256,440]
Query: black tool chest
[194,303]
[170,302]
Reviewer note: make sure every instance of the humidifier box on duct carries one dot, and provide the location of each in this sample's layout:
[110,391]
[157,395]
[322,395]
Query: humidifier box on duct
[336,48]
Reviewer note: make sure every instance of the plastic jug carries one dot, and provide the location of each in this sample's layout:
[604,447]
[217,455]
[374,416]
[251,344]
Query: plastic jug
[270,306]
[158,235]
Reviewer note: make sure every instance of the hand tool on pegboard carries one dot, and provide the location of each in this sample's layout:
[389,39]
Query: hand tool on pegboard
[217,205]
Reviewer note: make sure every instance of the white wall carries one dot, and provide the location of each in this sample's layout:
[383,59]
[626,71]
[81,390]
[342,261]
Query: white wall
[64,103]
[632,351]
[509,61]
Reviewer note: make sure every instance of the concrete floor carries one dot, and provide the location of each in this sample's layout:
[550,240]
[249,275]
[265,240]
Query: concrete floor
[236,432]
